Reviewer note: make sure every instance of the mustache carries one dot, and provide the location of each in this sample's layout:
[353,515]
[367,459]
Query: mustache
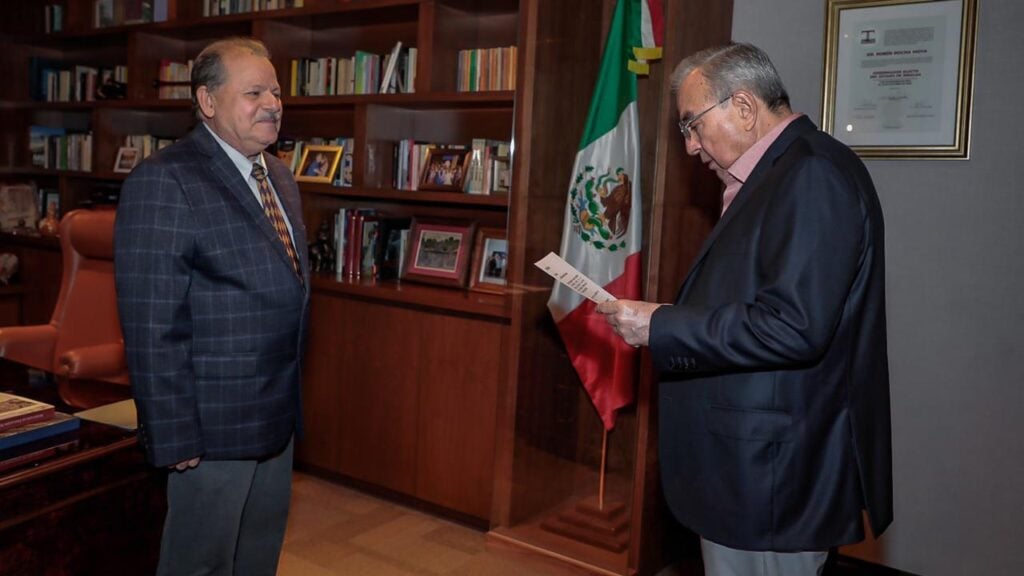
[269,117]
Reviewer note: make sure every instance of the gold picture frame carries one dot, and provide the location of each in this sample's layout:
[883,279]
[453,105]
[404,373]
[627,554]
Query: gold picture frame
[899,77]
[318,163]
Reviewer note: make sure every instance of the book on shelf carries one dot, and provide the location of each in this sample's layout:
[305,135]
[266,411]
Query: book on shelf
[19,456]
[19,435]
[18,411]
[481,69]
[54,18]
[344,178]
[367,253]
[122,12]
[173,79]
[394,236]
[387,83]
[365,244]
[227,7]
[362,73]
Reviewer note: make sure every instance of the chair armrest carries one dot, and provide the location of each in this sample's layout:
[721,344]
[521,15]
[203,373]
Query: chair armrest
[29,345]
[99,362]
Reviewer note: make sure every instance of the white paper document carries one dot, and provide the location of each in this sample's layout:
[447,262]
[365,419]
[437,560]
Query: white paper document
[575,280]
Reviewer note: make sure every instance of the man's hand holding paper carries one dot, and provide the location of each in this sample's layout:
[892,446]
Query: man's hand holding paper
[630,319]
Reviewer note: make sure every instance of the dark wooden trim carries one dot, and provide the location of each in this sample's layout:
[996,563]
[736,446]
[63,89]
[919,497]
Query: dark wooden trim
[394,496]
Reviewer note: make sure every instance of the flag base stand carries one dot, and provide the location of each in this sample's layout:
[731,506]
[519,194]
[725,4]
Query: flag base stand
[587,521]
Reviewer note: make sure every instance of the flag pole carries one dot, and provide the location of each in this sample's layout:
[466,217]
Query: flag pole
[604,460]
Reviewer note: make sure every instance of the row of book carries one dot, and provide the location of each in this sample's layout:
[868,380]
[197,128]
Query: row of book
[368,244]
[55,81]
[482,69]
[147,144]
[225,7]
[32,430]
[174,80]
[362,73]
[53,18]
[53,148]
[108,13]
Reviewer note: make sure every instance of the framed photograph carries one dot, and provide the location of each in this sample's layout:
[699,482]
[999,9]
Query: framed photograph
[51,203]
[127,158]
[18,207]
[490,261]
[501,181]
[444,170]
[898,76]
[318,163]
[439,252]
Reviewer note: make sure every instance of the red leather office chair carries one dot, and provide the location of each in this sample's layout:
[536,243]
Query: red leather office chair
[82,345]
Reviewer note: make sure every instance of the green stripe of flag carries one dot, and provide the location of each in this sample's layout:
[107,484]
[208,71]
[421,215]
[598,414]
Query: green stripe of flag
[616,86]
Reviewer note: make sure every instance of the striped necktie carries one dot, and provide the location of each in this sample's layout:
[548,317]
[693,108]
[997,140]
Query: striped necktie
[273,212]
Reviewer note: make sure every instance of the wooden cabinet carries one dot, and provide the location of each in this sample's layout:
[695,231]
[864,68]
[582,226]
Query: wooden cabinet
[404,398]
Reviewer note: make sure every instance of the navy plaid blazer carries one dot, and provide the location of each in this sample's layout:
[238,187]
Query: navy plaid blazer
[213,315]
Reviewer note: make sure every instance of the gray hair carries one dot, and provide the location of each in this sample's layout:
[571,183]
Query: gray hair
[208,68]
[733,67]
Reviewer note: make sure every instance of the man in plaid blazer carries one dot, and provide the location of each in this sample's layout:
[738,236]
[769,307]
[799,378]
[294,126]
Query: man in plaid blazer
[212,281]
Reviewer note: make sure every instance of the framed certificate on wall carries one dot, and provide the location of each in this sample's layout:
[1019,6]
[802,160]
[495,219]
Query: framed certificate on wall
[898,76]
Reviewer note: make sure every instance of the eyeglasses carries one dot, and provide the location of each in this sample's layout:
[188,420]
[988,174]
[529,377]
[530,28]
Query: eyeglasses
[686,125]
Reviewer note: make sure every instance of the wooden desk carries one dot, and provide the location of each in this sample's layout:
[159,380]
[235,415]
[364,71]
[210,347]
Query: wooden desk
[96,509]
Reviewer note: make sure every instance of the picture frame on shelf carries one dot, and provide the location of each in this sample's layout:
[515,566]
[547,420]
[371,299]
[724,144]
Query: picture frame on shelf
[490,261]
[444,169]
[127,158]
[319,163]
[439,251]
[18,207]
[50,219]
[501,176]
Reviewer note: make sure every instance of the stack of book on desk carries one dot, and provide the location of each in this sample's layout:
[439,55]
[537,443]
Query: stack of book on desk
[32,430]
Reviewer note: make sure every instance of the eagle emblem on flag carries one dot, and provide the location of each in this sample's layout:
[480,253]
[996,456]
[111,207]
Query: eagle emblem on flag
[600,206]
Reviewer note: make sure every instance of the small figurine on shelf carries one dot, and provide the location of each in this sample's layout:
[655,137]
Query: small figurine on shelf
[321,252]
[48,225]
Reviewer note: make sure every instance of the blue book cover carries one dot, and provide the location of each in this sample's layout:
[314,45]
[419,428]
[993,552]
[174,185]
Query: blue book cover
[19,435]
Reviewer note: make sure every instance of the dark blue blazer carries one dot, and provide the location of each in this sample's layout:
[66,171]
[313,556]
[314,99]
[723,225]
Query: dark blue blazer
[214,317]
[774,427]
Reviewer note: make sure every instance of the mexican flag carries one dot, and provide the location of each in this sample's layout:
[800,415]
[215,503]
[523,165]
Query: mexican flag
[601,235]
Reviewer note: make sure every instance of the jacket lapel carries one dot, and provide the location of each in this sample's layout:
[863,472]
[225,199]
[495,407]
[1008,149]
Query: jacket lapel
[796,128]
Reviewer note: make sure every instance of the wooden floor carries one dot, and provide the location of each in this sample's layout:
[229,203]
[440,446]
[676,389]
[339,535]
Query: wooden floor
[336,530]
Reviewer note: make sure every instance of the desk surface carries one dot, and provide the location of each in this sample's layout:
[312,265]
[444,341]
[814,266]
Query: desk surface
[95,508]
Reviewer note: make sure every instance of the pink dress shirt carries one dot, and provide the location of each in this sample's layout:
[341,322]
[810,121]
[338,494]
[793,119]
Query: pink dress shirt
[737,174]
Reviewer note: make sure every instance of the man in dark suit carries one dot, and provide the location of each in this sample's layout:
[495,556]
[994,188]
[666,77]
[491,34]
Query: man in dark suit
[774,392]
[212,277]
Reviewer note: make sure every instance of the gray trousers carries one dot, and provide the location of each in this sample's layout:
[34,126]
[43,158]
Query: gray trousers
[227,517]
[723,561]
